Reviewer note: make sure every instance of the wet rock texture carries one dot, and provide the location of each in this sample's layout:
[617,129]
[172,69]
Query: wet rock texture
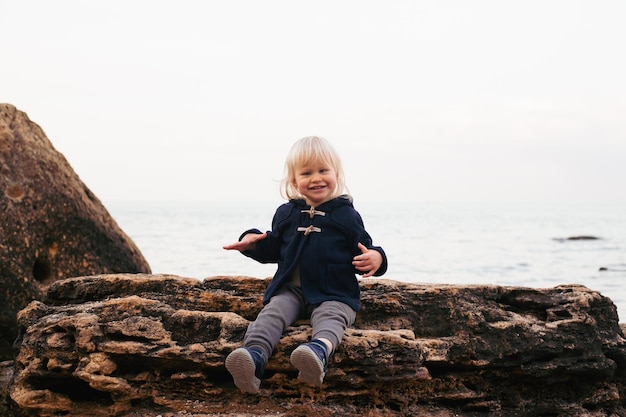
[51,225]
[147,345]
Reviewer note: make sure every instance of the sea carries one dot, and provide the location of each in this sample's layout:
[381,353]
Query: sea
[527,245]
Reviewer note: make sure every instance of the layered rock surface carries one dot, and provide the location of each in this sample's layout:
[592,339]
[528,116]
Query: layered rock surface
[131,345]
[51,225]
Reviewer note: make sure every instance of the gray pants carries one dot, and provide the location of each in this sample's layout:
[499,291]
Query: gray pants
[328,320]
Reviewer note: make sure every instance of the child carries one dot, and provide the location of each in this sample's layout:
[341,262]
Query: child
[319,242]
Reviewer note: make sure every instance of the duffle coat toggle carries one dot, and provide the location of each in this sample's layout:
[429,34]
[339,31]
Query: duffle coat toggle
[309,229]
[312,212]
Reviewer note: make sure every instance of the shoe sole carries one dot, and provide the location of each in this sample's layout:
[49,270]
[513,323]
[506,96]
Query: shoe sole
[241,366]
[310,367]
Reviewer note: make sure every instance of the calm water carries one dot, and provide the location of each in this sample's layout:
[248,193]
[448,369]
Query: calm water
[518,245]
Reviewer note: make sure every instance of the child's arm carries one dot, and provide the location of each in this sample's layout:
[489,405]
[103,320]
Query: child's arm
[369,261]
[247,242]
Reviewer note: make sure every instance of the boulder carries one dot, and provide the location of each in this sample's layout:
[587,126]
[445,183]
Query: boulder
[51,225]
[135,345]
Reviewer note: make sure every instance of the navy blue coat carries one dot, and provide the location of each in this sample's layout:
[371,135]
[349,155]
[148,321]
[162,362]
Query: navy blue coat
[323,243]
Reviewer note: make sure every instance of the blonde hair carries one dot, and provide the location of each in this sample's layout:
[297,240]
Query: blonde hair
[306,150]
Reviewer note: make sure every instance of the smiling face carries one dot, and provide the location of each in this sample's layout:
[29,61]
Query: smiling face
[313,171]
[316,181]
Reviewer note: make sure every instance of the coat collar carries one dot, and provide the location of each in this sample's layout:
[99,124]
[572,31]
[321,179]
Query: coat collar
[342,200]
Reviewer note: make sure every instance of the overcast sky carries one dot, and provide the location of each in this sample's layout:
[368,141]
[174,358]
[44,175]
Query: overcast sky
[425,100]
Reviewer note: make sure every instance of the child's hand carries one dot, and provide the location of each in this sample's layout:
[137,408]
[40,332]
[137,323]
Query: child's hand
[368,261]
[246,242]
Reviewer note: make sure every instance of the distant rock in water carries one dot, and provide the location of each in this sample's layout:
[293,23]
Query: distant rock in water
[51,225]
[608,269]
[581,237]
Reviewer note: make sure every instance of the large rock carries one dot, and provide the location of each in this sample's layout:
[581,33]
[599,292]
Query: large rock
[132,345]
[51,225]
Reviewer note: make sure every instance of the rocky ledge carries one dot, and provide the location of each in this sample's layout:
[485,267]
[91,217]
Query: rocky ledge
[130,345]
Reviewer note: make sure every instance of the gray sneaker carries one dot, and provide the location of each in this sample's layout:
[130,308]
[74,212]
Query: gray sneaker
[246,365]
[311,359]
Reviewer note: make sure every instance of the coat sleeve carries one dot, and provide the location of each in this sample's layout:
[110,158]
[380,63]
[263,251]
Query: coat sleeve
[268,250]
[352,219]
[366,240]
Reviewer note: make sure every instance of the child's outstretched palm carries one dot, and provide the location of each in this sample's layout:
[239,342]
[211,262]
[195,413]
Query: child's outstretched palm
[246,242]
